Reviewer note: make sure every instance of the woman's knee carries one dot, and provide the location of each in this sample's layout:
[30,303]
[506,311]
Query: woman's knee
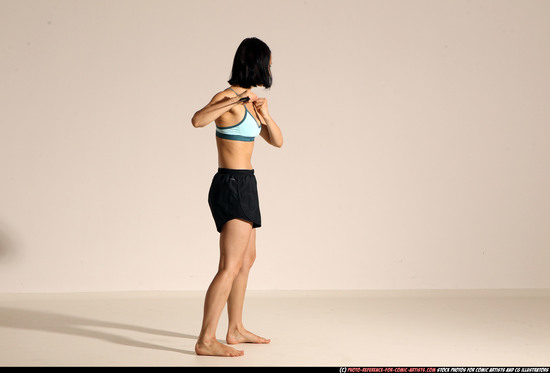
[229,272]
[249,260]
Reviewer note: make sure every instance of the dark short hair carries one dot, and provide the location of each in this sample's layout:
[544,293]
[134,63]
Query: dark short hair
[251,64]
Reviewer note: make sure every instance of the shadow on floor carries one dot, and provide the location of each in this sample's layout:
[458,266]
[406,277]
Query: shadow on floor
[78,326]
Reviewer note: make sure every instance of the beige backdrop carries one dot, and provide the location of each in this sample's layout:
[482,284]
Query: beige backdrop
[416,155]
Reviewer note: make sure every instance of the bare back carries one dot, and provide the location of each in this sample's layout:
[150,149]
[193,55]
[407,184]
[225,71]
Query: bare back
[234,154]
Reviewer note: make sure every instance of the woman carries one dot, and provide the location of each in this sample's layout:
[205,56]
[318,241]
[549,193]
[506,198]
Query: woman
[240,116]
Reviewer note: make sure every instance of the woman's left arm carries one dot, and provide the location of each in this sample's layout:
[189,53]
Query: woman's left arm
[270,130]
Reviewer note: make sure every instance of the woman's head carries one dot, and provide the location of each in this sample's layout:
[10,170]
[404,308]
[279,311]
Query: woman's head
[251,65]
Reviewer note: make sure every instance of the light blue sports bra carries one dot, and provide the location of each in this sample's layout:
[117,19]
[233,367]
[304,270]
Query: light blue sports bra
[246,130]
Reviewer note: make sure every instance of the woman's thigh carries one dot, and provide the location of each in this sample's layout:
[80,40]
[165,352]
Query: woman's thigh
[234,243]
[250,255]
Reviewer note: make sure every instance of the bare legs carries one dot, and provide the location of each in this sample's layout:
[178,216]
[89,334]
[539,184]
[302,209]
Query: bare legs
[237,253]
[236,332]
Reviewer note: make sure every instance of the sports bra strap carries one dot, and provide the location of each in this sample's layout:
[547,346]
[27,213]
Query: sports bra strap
[254,106]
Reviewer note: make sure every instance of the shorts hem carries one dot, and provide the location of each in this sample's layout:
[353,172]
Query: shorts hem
[254,224]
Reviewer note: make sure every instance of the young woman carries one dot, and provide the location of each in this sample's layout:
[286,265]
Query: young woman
[240,116]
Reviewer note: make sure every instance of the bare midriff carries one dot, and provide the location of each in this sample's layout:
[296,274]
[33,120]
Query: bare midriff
[234,154]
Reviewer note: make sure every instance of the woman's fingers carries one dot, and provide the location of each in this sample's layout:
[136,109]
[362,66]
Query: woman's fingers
[261,105]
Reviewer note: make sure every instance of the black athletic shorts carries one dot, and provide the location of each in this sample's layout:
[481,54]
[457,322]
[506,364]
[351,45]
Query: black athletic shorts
[234,195]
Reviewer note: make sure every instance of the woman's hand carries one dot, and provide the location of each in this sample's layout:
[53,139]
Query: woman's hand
[261,106]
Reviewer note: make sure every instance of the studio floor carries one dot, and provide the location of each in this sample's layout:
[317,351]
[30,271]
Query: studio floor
[452,328]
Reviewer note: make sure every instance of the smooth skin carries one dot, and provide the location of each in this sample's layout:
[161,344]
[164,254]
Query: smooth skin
[237,238]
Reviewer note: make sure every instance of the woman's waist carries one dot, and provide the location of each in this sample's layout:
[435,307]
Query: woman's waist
[235,171]
[235,165]
[237,155]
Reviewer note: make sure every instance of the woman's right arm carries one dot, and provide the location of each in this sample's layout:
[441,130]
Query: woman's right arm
[219,105]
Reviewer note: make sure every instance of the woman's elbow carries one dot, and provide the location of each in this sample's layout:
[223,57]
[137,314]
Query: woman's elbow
[195,121]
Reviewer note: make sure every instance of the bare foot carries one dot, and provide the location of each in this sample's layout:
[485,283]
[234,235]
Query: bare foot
[216,348]
[244,336]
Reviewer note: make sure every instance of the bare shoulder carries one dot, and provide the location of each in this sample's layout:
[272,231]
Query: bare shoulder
[223,95]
